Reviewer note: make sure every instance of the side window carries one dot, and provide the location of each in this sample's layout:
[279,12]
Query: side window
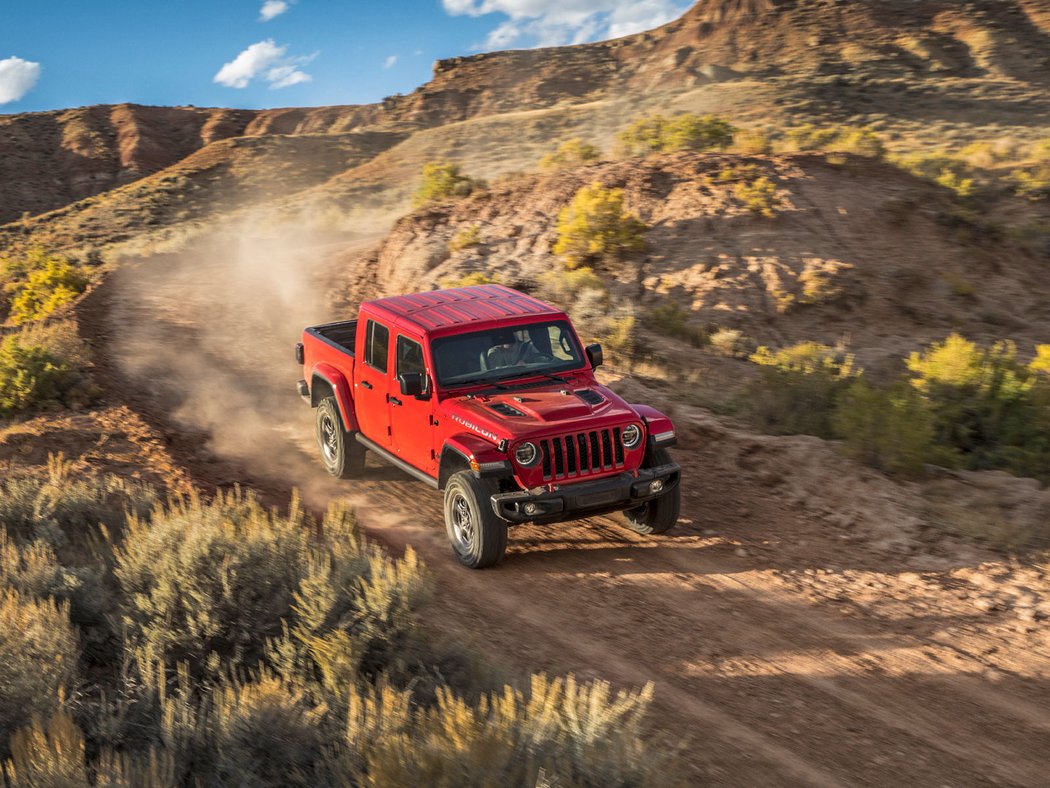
[409,356]
[377,345]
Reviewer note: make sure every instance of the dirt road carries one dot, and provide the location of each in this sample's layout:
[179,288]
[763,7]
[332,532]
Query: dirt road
[785,649]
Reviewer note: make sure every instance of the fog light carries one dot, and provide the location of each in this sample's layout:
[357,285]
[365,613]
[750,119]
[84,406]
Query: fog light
[656,486]
[531,508]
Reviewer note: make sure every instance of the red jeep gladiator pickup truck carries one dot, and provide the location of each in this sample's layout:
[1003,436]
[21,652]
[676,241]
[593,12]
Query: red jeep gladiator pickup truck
[487,394]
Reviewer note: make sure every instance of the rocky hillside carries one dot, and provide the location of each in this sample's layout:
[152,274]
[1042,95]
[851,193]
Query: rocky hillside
[926,69]
[856,251]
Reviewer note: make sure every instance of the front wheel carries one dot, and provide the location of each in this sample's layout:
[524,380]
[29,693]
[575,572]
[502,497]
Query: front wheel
[477,535]
[659,515]
[342,455]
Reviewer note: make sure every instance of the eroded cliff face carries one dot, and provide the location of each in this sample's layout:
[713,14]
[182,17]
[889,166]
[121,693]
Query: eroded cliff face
[51,159]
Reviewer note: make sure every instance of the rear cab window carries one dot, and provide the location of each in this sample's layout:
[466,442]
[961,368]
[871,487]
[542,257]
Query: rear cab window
[377,346]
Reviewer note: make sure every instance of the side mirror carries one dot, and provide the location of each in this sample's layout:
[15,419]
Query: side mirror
[594,355]
[413,384]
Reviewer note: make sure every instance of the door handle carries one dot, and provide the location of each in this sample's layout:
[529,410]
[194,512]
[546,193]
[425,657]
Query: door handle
[366,384]
[394,400]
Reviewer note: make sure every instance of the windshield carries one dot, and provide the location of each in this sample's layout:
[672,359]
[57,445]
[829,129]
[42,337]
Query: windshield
[503,353]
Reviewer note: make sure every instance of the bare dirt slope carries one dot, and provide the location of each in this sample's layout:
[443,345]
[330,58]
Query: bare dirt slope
[802,625]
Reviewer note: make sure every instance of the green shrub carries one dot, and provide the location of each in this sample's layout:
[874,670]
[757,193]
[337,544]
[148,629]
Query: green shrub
[1032,182]
[465,238]
[799,388]
[38,652]
[595,228]
[888,429]
[943,169]
[42,366]
[39,283]
[671,320]
[987,406]
[661,134]
[759,196]
[843,139]
[569,154]
[740,172]
[443,180]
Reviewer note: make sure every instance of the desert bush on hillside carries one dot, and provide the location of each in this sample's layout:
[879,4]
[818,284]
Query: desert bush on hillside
[464,239]
[990,409]
[65,508]
[842,139]
[730,342]
[559,732]
[38,283]
[661,134]
[569,154]
[799,388]
[671,320]
[443,180]
[595,228]
[752,142]
[38,652]
[41,366]
[942,168]
[759,196]
[889,429]
[1032,182]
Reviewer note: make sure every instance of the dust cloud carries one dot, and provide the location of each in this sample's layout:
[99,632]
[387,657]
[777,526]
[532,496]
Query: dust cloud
[208,333]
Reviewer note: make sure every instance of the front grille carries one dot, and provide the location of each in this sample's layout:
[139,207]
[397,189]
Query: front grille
[581,454]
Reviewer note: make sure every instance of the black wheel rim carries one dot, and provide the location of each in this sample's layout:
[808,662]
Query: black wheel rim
[462,528]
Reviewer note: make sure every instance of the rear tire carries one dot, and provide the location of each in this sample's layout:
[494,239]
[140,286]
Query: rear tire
[341,454]
[659,515]
[478,537]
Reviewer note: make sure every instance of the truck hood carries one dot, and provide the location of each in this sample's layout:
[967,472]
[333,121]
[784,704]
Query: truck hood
[541,410]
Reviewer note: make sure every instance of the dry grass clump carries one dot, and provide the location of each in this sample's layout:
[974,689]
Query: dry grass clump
[662,134]
[38,652]
[571,153]
[263,648]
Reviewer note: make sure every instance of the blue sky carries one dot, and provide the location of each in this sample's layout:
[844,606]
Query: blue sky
[273,53]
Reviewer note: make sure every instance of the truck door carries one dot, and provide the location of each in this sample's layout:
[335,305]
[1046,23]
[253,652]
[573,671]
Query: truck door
[371,383]
[410,417]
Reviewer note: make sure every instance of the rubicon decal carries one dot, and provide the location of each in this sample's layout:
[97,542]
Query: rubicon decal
[480,431]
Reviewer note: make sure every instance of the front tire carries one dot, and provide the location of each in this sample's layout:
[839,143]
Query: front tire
[341,454]
[659,515]
[477,535]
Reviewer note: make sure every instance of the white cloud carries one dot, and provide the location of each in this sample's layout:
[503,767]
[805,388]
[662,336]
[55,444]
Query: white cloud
[390,62]
[267,60]
[272,8]
[17,77]
[556,22]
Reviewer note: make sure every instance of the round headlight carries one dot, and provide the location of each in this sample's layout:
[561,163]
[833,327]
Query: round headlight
[526,453]
[631,436]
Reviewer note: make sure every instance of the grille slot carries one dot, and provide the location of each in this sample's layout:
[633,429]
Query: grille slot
[582,453]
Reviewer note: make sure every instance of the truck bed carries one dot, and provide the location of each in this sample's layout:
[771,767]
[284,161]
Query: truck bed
[341,335]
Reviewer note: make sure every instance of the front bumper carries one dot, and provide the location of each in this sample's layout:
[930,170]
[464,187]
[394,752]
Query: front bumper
[583,499]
